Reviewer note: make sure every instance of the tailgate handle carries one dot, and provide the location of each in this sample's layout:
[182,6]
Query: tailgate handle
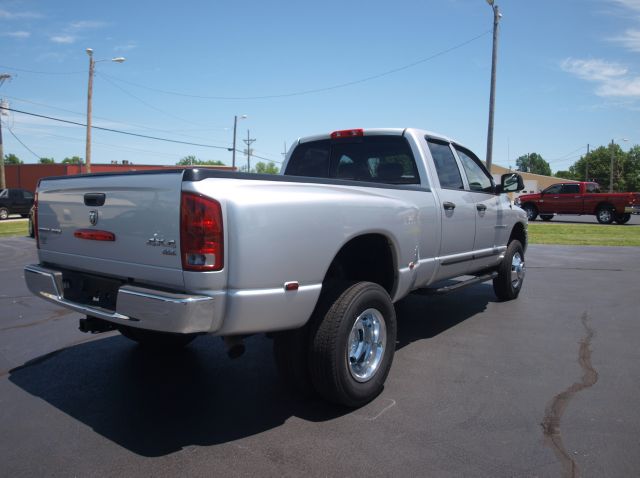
[94,199]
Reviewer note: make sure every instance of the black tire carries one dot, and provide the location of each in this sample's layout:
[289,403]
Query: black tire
[531,210]
[546,217]
[4,213]
[151,339]
[605,214]
[508,284]
[622,218]
[24,216]
[360,321]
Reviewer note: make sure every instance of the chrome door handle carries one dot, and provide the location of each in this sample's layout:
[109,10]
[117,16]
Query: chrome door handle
[448,206]
[481,207]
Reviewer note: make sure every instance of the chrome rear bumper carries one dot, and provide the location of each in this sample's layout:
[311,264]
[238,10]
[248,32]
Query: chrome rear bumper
[135,306]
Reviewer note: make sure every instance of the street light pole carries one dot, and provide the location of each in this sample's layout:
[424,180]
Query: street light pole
[235,126]
[92,69]
[613,143]
[3,181]
[92,65]
[492,96]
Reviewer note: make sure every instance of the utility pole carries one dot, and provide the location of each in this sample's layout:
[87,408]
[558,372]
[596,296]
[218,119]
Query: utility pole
[248,141]
[3,180]
[92,66]
[586,165]
[235,125]
[492,96]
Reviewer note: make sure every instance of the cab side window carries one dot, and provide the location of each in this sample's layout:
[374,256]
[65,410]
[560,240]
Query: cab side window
[479,179]
[446,165]
[570,189]
[555,189]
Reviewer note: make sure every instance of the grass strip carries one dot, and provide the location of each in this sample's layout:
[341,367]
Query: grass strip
[584,234]
[13,228]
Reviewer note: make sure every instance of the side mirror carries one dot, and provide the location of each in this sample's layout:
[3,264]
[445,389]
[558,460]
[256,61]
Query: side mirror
[511,183]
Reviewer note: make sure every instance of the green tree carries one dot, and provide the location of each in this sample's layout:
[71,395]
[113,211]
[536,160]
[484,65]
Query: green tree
[266,168]
[11,159]
[565,175]
[533,163]
[631,172]
[73,160]
[596,166]
[192,160]
[47,161]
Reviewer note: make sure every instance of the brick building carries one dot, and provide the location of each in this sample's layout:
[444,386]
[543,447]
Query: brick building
[26,176]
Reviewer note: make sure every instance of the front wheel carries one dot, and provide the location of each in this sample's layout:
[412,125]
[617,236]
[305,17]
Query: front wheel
[352,345]
[532,212]
[604,215]
[151,339]
[508,284]
[4,213]
[622,218]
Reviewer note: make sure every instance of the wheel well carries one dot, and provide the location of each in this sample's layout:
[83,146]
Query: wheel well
[365,258]
[604,205]
[518,233]
[529,203]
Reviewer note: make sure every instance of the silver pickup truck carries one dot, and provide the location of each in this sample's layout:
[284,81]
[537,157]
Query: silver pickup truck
[316,256]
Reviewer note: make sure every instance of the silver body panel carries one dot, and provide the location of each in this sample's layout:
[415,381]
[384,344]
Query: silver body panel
[275,232]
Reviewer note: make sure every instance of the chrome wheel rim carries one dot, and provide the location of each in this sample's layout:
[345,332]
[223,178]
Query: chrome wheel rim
[366,345]
[4,214]
[518,270]
[605,215]
[529,211]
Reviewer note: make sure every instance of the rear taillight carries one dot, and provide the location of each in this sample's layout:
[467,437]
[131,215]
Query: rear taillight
[201,233]
[34,220]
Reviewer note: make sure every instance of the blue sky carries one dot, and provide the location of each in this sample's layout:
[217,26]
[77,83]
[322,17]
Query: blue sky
[568,74]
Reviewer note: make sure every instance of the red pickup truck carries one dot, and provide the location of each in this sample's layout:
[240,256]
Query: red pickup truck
[580,198]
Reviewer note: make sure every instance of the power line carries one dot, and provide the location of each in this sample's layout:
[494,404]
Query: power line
[24,145]
[315,90]
[111,130]
[43,72]
[148,105]
[22,100]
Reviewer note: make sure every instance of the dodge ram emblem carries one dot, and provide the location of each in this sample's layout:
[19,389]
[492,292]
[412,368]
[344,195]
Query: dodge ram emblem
[93,217]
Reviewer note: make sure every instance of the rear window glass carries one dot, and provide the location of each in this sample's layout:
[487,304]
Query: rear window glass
[384,159]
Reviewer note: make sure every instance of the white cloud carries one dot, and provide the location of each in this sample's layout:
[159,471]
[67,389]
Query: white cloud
[631,4]
[87,25]
[630,40]
[126,47]
[18,34]
[7,15]
[613,79]
[63,39]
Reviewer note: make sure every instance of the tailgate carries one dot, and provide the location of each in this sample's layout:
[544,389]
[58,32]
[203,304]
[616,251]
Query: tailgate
[141,210]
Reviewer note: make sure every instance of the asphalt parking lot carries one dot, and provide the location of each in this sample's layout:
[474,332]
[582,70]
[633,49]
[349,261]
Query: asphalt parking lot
[546,385]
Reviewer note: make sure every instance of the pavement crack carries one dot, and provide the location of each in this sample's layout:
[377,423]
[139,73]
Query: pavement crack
[557,406]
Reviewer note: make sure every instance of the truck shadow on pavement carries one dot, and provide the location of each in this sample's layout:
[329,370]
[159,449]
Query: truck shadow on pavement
[156,404]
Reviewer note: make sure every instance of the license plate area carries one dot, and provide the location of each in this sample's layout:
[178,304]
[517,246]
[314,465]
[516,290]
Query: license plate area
[91,290]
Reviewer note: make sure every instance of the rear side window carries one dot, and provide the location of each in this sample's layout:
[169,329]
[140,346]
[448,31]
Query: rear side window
[446,166]
[384,159]
[570,189]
